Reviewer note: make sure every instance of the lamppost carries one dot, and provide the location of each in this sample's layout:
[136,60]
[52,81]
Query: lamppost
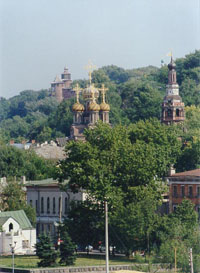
[106,236]
[12,246]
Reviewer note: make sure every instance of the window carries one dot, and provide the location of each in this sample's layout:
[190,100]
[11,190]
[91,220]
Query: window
[182,191]
[54,205]
[190,191]
[198,191]
[174,207]
[177,112]
[42,205]
[169,113]
[31,203]
[59,204]
[65,205]
[25,243]
[175,194]
[36,205]
[48,205]
[10,227]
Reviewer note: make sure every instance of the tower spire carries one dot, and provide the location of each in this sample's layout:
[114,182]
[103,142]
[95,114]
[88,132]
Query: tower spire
[172,107]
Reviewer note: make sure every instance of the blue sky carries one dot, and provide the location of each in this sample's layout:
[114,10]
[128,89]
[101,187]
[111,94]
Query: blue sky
[39,37]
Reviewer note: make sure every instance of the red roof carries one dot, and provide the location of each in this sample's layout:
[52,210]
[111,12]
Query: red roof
[188,173]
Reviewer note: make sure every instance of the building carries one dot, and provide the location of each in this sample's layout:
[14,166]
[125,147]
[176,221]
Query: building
[16,230]
[51,204]
[172,106]
[61,86]
[88,114]
[184,185]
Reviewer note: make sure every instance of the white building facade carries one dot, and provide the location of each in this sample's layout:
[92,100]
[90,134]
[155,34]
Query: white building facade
[17,231]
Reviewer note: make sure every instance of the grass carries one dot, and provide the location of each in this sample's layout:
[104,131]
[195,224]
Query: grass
[82,260]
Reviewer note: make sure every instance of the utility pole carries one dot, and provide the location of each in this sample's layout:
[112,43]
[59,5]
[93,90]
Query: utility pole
[175,260]
[106,236]
[191,261]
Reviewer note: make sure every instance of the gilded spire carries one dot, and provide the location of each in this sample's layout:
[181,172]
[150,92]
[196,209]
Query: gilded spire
[103,92]
[77,90]
[90,67]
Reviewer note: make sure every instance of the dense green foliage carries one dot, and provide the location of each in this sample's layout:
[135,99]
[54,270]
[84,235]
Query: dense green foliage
[17,163]
[133,94]
[46,251]
[122,165]
[13,197]
[67,247]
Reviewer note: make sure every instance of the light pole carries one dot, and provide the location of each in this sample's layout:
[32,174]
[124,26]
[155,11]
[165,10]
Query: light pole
[106,236]
[12,246]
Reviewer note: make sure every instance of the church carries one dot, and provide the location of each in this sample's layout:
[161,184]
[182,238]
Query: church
[86,114]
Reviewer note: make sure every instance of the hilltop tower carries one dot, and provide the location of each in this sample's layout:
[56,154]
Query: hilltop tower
[172,106]
[88,114]
[61,86]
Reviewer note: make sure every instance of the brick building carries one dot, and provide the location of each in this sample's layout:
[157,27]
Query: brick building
[184,185]
[61,86]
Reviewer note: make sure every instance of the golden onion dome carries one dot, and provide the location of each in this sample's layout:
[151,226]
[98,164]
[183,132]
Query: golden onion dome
[93,106]
[104,106]
[89,92]
[78,107]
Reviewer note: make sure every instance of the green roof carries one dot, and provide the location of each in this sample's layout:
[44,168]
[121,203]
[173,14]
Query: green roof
[45,182]
[3,220]
[19,216]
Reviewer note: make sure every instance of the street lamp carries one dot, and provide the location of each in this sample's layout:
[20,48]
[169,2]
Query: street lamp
[13,256]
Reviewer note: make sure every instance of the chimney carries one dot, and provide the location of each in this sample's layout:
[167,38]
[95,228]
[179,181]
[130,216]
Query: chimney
[172,170]
[33,141]
[23,141]
[23,179]
[12,142]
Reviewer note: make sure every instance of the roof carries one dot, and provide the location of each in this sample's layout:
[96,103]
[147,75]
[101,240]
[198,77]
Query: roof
[19,216]
[3,220]
[43,183]
[188,173]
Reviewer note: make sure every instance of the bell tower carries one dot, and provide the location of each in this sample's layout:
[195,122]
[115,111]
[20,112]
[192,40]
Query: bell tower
[172,106]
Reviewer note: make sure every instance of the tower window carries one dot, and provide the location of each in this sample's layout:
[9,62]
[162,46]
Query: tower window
[169,113]
[177,112]
[198,191]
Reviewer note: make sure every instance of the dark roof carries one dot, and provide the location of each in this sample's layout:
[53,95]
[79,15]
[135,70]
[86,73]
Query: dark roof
[19,216]
[171,97]
[188,173]
[61,141]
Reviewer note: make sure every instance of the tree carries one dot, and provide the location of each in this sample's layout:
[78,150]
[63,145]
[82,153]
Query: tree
[13,197]
[17,163]
[180,230]
[111,165]
[46,251]
[67,248]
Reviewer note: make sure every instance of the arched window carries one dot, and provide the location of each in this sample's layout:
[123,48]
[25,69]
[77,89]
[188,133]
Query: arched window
[59,204]
[42,205]
[10,226]
[31,203]
[177,112]
[65,205]
[169,112]
[54,205]
[48,205]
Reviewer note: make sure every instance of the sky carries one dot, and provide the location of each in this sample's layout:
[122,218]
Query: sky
[38,38]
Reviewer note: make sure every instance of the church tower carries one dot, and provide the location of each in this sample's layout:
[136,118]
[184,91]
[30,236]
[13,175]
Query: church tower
[87,115]
[172,106]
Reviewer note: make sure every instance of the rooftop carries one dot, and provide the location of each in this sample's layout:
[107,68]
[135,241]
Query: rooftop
[193,173]
[18,215]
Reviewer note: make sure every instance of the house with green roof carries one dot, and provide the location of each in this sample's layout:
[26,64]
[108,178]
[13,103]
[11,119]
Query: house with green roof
[16,230]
